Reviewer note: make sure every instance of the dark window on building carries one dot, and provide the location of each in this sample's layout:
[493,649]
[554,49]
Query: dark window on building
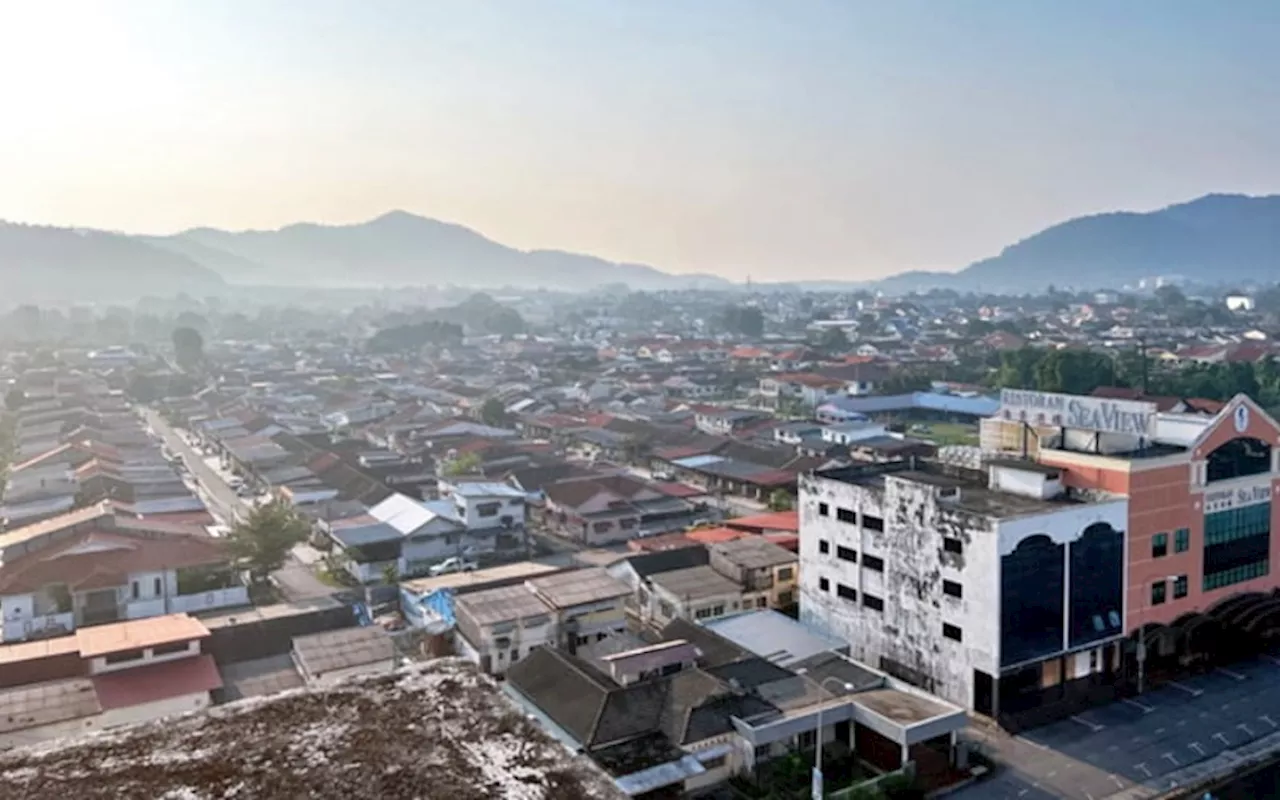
[952,545]
[824,546]
[1179,587]
[872,523]
[715,763]
[1097,584]
[824,510]
[846,593]
[1237,545]
[1032,581]
[1157,593]
[951,632]
[952,589]
[122,657]
[1182,540]
[845,554]
[137,590]
[824,585]
[872,602]
[873,563]
[488,509]
[1160,545]
[845,515]
[170,649]
[159,586]
[1238,458]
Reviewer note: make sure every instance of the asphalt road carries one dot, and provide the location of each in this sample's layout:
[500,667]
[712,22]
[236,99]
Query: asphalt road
[223,500]
[1169,737]
[295,580]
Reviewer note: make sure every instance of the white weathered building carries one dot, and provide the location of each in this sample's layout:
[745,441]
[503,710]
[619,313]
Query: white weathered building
[958,580]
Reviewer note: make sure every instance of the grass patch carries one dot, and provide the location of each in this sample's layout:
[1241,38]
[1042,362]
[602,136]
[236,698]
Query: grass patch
[945,433]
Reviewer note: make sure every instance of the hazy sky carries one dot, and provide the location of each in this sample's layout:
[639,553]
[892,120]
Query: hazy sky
[780,139]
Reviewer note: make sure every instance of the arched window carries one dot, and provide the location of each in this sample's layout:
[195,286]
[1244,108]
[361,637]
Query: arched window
[1031,583]
[1097,584]
[1237,458]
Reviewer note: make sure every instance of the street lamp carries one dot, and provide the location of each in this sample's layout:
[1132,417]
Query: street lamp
[816,789]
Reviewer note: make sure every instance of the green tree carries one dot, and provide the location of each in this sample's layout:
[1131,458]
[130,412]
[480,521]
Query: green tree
[390,574]
[494,413]
[780,500]
[744,321]
[188,348]
[261,543]
[833,341]
[465,464]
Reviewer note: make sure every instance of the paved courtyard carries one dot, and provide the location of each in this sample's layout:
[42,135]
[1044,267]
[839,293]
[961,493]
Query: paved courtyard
[1139,747]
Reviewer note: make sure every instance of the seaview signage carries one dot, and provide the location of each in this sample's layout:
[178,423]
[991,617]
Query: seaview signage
[1086,413]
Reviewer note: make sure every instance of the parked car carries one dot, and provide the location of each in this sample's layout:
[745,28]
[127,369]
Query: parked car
[451,565]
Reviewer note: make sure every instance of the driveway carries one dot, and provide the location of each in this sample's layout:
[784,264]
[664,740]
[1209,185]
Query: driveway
[1168,737]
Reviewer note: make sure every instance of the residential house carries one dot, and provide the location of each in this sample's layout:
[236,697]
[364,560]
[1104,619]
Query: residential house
[104,677]
[603,509]
[726,422]
[589,604]
[499,626]
[808,390]
[96,565]
[330,657]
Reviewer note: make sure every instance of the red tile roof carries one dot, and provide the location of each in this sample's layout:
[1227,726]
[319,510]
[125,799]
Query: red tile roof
[713,535]
[772,521]
[132,687]
[125,552]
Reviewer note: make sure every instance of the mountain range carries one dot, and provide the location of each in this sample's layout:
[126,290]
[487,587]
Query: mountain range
[1216,238]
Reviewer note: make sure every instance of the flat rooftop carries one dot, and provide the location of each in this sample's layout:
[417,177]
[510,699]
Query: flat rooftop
[319,653]
[901,707]
[972,492]
[467,581]
[100,640]
[431,730]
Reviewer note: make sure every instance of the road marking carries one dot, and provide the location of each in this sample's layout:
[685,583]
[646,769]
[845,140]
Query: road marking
[1196,746]
[1231,673]
[1171,758]
[1272,659]
[1188,689]
[1143,767]
[1146,709]
[1159,731]
[1268,720]
[1119,783]
[1245,728]
[1052,773]
[1093,726]
[1225,706]
[1033,743]
[1222,738]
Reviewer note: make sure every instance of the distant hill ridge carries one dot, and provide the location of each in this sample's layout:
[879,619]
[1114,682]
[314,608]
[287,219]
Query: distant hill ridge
[399,248]
[1218,238]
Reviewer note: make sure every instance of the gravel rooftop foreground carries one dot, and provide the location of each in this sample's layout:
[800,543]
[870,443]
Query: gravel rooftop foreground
[431,730]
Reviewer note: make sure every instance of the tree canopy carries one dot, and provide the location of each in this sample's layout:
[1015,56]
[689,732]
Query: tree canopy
[414,336]
[188,348]
[743,321]
[261,543]
[494,413]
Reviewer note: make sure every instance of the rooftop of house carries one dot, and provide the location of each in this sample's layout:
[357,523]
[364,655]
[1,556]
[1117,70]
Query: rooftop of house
[502,604]
[363,738]
[319,653]
[753,552]
[579,587]
[695,583]
[117,637]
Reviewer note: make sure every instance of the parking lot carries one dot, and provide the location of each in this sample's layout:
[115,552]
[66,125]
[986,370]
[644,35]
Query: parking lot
[1168,737]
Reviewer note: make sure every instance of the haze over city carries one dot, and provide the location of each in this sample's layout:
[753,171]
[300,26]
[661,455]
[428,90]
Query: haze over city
[779,141]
